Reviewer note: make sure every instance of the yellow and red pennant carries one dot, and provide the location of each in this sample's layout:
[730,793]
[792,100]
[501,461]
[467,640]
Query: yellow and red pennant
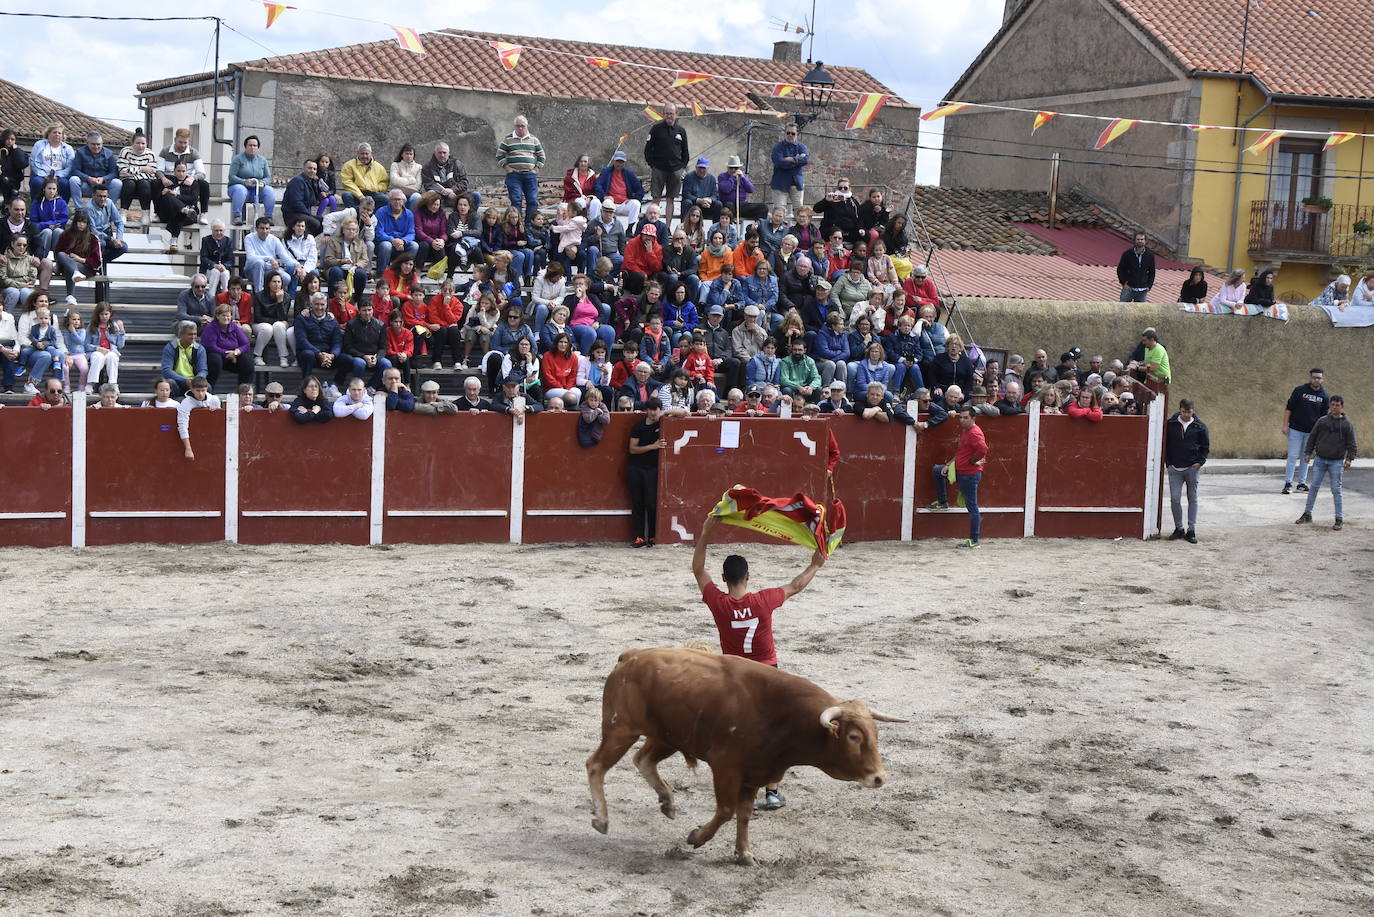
[697,110]
[509,53]
[621,142]
[742,107]
[408,38]
[1266,140]
[1337,138]
[274,10]
[869,104]
[935,114]
[1114,130]
[1041,119]
[652,114]
[782,90]
[605,63]
[688,77]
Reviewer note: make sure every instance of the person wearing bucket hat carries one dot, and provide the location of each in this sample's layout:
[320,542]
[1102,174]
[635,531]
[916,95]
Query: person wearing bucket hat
[734,187]
[700,188]
[623,187]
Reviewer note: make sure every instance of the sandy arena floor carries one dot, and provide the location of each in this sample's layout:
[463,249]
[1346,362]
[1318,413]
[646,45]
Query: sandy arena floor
[1097,728]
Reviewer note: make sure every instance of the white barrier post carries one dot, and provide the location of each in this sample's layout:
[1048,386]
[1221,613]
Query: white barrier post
[79,469]
[1032,469]
[378,493]
[231,470]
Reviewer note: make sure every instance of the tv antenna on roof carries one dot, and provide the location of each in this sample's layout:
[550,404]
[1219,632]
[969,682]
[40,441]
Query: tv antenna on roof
[807,29]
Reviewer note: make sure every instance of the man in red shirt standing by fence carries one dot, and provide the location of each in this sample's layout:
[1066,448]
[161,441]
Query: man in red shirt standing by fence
[969,459]
[744,618]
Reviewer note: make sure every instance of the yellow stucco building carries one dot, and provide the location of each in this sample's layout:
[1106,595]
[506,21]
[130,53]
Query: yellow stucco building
[1290,65]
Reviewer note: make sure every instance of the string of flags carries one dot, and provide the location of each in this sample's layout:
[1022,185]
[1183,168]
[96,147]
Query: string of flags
[1118,126]
[866,108]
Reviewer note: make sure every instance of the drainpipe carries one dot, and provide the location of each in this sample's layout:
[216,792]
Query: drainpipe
[1235,199]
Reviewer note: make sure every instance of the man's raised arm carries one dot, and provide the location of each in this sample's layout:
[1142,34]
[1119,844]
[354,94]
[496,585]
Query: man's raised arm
[699,555]
[803,579]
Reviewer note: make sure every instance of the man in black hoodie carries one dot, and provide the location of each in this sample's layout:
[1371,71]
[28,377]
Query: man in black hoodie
[1186,445]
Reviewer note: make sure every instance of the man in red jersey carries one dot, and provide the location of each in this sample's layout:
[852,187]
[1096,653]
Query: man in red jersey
[744,618]
[970,457]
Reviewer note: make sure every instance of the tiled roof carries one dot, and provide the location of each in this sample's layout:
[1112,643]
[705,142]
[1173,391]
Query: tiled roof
[1013,276]
[1093,245]
[29,114]
[1290,51]
[986,220]
[463,63]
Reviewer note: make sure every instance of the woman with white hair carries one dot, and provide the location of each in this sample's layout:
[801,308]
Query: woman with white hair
[1337,294]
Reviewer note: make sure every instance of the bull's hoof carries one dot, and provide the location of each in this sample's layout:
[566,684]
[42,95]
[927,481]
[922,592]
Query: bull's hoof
[667,808]
[744,859]
[600,824]
[692,837]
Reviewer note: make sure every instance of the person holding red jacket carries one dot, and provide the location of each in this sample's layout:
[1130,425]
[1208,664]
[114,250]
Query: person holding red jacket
[444,319]
[970,458]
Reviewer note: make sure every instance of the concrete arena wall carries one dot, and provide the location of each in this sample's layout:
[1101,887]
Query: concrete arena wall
[1238,370]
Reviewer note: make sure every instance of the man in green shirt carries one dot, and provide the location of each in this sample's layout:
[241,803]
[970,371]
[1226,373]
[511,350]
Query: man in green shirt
[800,377]
[522,156]
[1156,359]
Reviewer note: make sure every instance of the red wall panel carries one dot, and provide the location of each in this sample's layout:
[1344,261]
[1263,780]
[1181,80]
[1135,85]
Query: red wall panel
[447,463]
[36,475]
[1085,464]
[563,477]
[135,463]
[770,458]
[868,477]
[1003,484]
[284,466]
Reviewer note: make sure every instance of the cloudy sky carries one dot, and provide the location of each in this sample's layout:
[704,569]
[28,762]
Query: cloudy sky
[916,47]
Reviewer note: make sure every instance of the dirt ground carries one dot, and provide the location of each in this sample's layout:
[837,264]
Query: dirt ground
[1097,728]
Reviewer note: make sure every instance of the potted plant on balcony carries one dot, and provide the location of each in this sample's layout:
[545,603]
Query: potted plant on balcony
[1316,204]
[1362,227]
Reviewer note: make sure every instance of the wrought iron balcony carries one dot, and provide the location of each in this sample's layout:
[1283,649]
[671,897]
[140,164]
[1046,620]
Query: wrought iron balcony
[1297,232]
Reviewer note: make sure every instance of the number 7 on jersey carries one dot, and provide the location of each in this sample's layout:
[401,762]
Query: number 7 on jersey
[751,625]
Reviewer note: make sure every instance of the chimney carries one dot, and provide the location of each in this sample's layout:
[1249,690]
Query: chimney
[787,51]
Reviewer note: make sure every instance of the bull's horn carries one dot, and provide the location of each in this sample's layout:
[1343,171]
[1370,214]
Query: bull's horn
[884,718]
[828,717]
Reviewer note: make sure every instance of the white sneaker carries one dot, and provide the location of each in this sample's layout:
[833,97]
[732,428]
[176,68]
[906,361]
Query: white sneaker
[204,220]
[71,300]
[30,389]
[331,390]
[437,365]
[285,363]
[78,277]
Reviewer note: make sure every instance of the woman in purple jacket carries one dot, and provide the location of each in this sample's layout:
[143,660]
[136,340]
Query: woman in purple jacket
[226,344]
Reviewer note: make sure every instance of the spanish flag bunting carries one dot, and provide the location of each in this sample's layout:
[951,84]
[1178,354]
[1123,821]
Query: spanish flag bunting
[274,10]
[509,53]
[742,107]
[798,518]
[1118,127]
[783,89]
[1041,119]
[651,114]
[1266,140]
[621,141]
[1337,138]
[605,63]
[1203,127]
[868,106]
[935,114]
[697,110]
[408,38]
[688,77]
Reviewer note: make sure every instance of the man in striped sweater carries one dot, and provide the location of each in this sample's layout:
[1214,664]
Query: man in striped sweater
[522,155]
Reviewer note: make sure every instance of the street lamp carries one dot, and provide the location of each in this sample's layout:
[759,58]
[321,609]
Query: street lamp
[817,87]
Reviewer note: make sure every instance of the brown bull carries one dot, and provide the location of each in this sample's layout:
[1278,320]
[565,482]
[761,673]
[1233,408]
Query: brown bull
[749,721]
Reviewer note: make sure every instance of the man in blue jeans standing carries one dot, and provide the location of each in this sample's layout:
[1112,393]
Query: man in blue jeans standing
[1186,446]
[522,156]
[970,457]
[1305,407]
[1331,447]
